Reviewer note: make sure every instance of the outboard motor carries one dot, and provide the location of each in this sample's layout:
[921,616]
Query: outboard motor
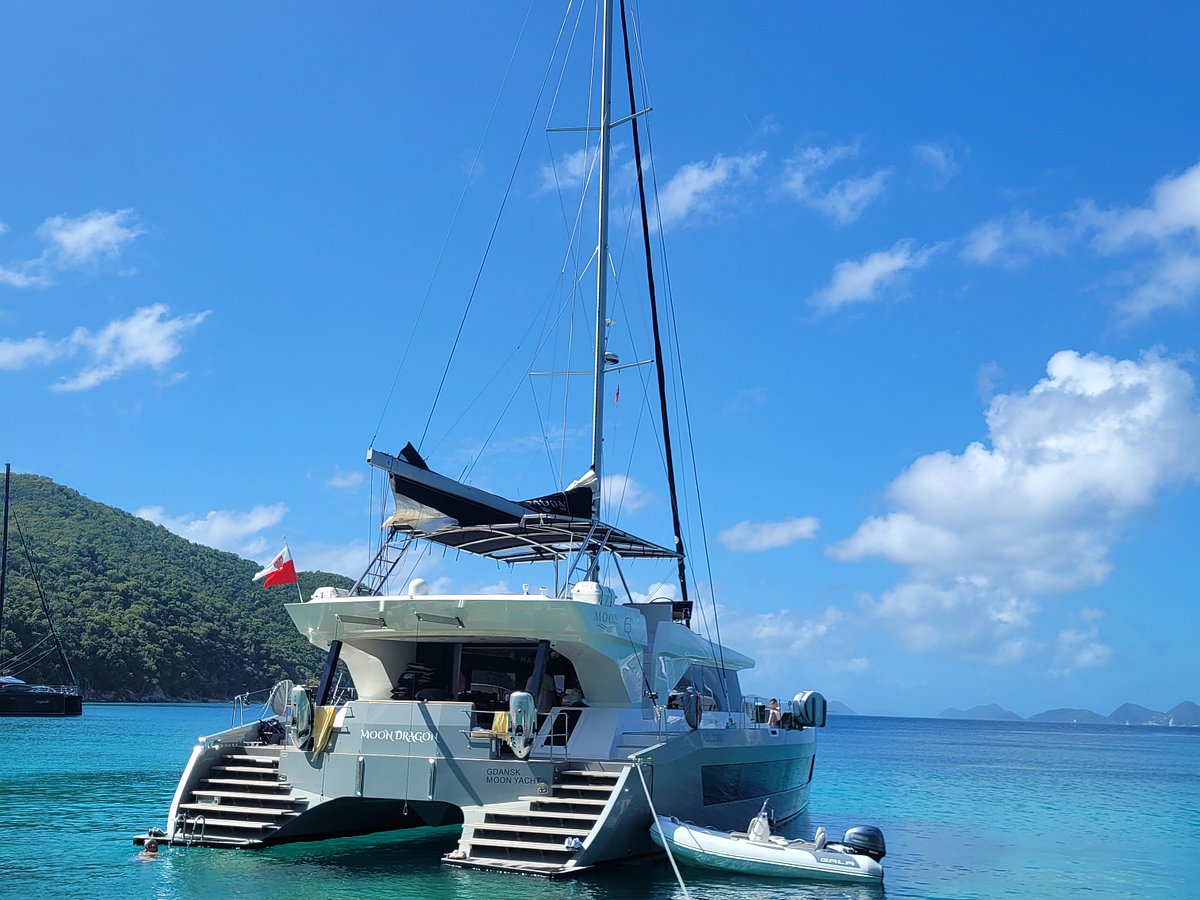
[809,709]
[867,840]
[522,723]
[301,725]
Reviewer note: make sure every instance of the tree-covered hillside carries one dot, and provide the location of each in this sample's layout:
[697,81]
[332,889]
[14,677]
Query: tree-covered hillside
[144,614]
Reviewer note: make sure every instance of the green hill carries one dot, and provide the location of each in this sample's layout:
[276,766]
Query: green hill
[1070,716]
[991,711]
[1133,714]
[145,614]
[1185,713]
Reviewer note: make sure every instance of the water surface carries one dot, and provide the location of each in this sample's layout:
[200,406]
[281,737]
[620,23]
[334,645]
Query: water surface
[969,810]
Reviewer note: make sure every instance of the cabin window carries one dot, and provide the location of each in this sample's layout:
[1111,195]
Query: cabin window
[715,692]
[725,784]
[491,672]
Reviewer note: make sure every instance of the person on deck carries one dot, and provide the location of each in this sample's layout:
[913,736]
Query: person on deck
[773,713]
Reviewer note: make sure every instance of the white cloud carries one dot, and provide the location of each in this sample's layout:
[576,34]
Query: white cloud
[623,493]
[863,280]
[823,638]
[801,169]
[985,532]
[81,240]
[790,633]
[349,559]
[700,188]
[22,279]
[221,528]
[971,617]
[1173,210]
[1162,237]
[345,480]
[1168,228]
[754,537]
[72,243]
[847,198]
[19,354]
[1080,648]
[659,590]
[939,159]
[1014,240]
[146,339]
[1173,282]
[571,171]
[853,666]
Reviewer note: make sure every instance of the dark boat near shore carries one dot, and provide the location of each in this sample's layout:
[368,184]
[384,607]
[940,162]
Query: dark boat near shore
[18,698]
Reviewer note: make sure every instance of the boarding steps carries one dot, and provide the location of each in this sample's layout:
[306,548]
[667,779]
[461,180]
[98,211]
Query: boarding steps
[543,834]
[241,802]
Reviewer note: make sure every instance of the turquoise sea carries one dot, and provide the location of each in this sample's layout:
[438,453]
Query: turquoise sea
[969,809]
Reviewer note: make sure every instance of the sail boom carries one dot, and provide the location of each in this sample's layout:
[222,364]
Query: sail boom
[556,526]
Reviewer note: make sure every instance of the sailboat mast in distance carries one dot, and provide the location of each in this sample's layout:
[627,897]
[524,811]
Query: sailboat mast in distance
[4,556]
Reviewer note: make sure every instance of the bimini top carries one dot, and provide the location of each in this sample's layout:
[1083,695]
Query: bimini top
[447,512]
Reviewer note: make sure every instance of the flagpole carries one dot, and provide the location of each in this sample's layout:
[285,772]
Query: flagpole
[299,596]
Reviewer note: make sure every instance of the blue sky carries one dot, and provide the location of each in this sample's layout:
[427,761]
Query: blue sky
[935,273]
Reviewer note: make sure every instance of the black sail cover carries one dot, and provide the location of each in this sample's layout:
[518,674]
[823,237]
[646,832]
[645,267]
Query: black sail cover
[424,498]
[449,512]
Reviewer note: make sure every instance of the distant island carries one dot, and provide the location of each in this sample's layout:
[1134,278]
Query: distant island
[993,712]
[838,708]
[1186,713]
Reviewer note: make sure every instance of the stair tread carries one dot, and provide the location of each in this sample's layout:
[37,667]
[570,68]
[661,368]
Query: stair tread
[606,788]
[592,773]
[244,795]
[256,770]
[546,814]
[245,782]
[227,823]
[515,865]
[246,810]
[249,757]
[213,840]
[520,845]
[580,801]
[534,829]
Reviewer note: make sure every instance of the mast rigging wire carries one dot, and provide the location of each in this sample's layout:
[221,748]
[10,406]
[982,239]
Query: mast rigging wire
[673,335]
[658,363]
[450,230]
[492,236]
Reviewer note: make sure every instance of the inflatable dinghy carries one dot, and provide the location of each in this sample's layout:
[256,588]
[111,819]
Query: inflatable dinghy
[758,852]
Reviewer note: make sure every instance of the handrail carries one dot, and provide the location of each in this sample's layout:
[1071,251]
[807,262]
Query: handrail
[190,833]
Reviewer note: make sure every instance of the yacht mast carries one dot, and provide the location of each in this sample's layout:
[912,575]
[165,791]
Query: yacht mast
[602,255]
[4,555]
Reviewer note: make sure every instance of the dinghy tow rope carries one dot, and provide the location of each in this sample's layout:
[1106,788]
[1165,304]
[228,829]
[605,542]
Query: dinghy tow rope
[666,844]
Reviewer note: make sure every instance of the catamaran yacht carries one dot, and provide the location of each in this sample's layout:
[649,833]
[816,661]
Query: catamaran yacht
[551,722]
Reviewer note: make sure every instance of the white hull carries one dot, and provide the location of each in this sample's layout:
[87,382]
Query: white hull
[776,857]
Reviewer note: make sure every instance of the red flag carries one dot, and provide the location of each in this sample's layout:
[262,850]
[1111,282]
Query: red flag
[617,398]
[281,570]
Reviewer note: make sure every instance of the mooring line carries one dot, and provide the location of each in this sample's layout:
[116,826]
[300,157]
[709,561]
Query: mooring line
[665,842]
